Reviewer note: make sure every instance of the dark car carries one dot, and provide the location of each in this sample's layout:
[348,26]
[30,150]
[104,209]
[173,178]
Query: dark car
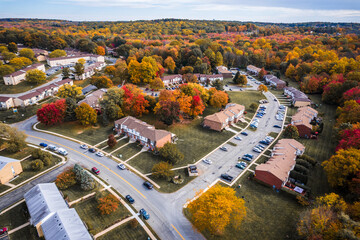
[95,170]
[148,185]
[224,149]
[92,150]
[244,133]
[277,126]
[227,177]
[144,214]
[264,142]
[246,158]
[249,155]
[43,144]
[129,199]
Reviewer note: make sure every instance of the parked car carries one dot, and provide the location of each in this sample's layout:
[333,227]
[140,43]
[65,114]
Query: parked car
[84,146]
[52,147]
[43,145]
[3,230]
[144,214]
[243,163]
[207,161]
[277,126]
[227,177]
[238,165]
[121,166]
[95,170]
[237,138]
[99,154]
[129,199]
[264,142]
[246,158]
[224,149]
[62,151]
[244,133]
[249,155]
[92,150]
[256,150]
[148,185]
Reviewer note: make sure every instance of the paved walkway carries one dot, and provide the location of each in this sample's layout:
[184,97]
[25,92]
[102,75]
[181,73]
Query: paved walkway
[18,228]
[119,148]
[231,130]
[12,206]
[141,151]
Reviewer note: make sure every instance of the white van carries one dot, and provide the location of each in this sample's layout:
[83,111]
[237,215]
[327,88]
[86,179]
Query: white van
[62,151]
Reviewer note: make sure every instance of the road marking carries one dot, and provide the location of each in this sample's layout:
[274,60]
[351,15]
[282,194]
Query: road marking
[178,232]
[94,161]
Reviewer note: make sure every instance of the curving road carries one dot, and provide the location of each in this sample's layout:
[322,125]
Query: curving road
[166,216]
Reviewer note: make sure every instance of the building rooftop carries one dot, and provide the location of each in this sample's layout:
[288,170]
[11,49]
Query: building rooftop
[303,116]
[5,160]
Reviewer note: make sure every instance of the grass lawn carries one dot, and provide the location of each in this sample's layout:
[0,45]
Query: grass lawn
[89,134]
[75,192]
[18,155]
[28,172]
[96,222]
[26,233]
[118,144]
[128,151]
[125,231]
[246,98]
[82,83]
[14,217]
[270,215]
[169,187]
[3,188]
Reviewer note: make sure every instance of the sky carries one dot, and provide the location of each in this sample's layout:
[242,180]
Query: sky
[286,11]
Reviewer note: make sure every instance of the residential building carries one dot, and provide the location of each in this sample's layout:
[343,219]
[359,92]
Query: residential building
[224,71]
[274,81]
[90,70]
[94,98]
[60,61]
[229,115]
[172,79]
[208,78]
[88,88]
[28,99]
[18,76]
[9,168]
[253,70]
[298,98]
[301,120]
[275,172]
[142,132]
[40,54]
[6,102]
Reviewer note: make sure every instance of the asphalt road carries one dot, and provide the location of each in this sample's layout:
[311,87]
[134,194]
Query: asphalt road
[166,217]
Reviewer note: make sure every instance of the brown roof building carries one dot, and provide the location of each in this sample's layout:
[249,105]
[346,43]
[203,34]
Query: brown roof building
[274,81]
[93,99]
[9,168]
[298,98]
[229,115]
[275,172]
[252,69]
[142,132]
[302,120]
[224,71]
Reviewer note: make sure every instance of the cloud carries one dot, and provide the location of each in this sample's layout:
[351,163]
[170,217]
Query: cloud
[132,4]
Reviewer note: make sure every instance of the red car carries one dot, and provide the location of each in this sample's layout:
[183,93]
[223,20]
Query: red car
[95,170]
[3,230]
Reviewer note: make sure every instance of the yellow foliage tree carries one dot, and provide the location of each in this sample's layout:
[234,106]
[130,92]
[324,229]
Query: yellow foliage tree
[82,61]
[68,90]
[86,114]
[333,201]
[216,209]
[262,88]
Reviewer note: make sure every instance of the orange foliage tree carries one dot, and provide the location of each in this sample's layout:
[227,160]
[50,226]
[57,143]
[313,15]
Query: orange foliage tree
[108,204]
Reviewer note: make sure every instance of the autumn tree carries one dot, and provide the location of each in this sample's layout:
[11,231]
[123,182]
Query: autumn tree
[162,170]
[111,142]
[100,50]
[342,166]
[35,76]
[52,113]
[16,140]
[170,153]
[156,84]
[218,99]
[217,84]
[12,47]
[349,113]
[101,81]
[57,53]
[20,62]
[168,111]
[291,131]
[27,52]
[240,79]
[6,69]
[350,138]
[65,179]
[71,105]
[65,72]
[197,106]
[108,204]
[86,114]
[262,88]
[290,72]
[79,69]
[215,209]
[134,103]
[69,91]
[262,73]
[169,63]
[111,103]
[218,59]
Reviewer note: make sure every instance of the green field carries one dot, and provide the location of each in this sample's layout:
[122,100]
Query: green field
[96,222]
[128,151]
[14,217]
[75,192]
[125,231]
[25,152]
[118,144]
[26,233]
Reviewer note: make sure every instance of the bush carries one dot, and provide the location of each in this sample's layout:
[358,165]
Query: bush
[301,169]
[37,153]
[253,107]
[298,176]
[303,163]
[162,170]
[171,154]
[309,159]
[37,165]
[65,179]
[46,161]
[134,223]
[111,141]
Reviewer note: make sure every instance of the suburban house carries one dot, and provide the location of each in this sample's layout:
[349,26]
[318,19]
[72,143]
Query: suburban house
[90,70]
[93,99]
[274,81]
[60,61]
[207,78]
[28,99]
[51,216]
[275,172]
[6,102]
[301,120]
[172,79]
[146,134]
[220,120]
[40,54]
[298,98]
[18,76]
[224,71]
[253,70]
[9,168]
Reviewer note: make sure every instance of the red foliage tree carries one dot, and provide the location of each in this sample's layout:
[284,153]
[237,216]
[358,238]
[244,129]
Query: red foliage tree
[349,139]
[53,113]
[111,141]
[352,94]
[197,106]
[134,103]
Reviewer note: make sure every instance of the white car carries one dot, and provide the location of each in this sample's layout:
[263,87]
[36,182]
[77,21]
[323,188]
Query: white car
[256,150]
[207,161]
[121,166]
[62,151]
[99,154]
[84,146]
[237,138]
